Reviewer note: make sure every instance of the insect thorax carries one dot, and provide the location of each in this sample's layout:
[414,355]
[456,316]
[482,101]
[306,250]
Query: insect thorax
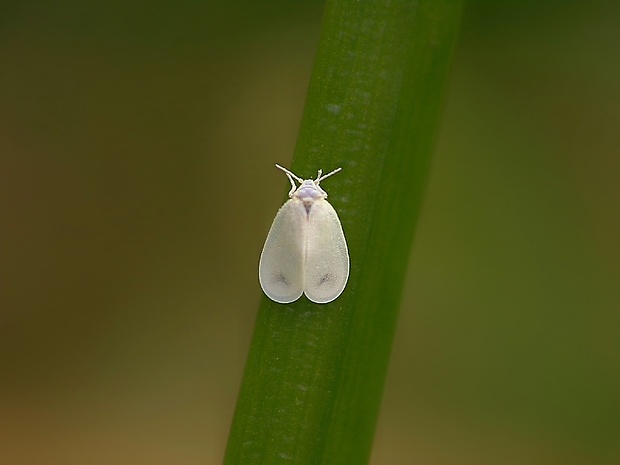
[309,191]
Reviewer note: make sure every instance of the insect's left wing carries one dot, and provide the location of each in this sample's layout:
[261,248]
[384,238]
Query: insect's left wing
[280,270]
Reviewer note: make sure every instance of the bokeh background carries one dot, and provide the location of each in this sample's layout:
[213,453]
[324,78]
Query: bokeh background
[137,142]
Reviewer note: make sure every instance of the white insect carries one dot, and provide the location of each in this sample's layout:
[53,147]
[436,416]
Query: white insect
[305,251]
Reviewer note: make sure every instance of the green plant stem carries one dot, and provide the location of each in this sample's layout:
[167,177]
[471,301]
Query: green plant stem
[315,373]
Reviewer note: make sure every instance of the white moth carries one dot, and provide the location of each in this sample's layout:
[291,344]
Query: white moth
[305,251]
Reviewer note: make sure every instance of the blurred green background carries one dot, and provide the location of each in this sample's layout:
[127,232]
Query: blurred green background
[137,143]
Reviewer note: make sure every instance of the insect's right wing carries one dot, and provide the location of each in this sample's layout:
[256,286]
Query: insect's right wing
[327,255]
[280,270]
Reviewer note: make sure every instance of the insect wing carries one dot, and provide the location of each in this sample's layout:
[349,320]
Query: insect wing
[280,270]
[327,256]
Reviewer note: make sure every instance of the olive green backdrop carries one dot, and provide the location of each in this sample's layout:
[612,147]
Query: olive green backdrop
[137,143]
